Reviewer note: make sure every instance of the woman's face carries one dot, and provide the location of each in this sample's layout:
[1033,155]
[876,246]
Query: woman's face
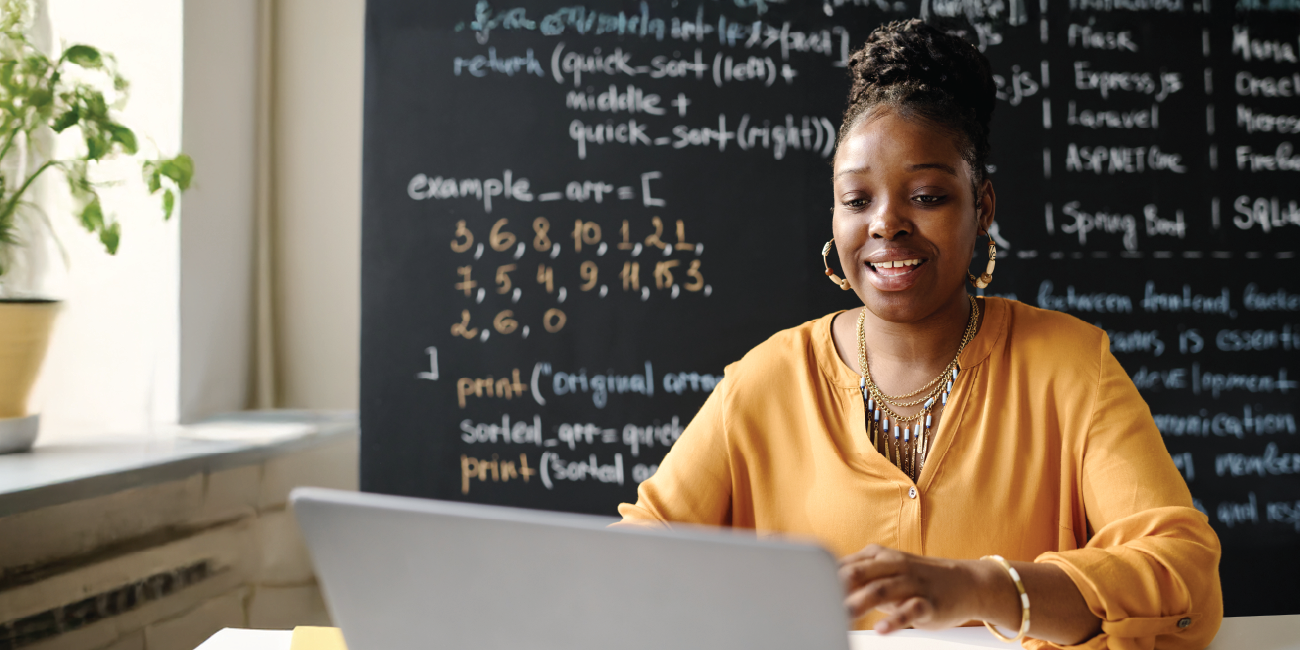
[905,218]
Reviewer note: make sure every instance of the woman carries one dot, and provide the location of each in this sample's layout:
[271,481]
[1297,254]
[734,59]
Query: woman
[1021,435]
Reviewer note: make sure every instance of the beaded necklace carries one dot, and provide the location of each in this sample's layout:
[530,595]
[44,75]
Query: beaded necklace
[910,451]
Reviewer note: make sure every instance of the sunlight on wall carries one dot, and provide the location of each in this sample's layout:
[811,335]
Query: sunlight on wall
[112,365]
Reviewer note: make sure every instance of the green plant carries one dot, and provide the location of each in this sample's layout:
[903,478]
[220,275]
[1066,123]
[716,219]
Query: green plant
[38,93]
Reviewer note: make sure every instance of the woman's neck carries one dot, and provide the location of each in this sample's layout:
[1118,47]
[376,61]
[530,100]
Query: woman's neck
[904,356]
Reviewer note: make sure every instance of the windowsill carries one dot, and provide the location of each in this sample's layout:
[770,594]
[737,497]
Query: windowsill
[64,472]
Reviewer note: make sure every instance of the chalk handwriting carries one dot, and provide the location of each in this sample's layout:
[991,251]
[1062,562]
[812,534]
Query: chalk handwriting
[421,187]
[1218,383]
[1172,379]
[634,100]
[1284,158]
[1284,513]
[1252,421]
[1258,49]
[1088,38]
[1161,85]
[600,386]
[1015,88]
[1121,160]
[505,387]
[555,468]
[1230,340]
[1142,118]
[813,134]
[1102,221]
[1267,213]
[480,66]
[1254,122]
[1231,514]
[663,435]
[1268,5]
[1248,85]
[1154,301]
[495,469]
[1084,302]
[519,433]
[1171,6]
[1270,463]
[678,383]
[983,15]
[641,472]
[1135,341]
[1280,300]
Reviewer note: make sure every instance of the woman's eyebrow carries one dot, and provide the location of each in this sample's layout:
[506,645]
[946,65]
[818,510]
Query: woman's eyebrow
[938,166]
[855,170]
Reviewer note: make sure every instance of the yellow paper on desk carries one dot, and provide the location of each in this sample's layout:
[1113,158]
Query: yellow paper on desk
[317,638]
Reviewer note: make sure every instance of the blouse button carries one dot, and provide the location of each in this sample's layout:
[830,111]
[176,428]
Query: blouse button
[911,492]
[1183,623]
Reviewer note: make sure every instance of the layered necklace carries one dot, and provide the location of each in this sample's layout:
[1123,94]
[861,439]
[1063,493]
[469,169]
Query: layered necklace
[909,445]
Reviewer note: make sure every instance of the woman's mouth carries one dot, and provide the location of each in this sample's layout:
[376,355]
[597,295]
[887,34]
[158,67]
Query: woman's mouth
[897,267]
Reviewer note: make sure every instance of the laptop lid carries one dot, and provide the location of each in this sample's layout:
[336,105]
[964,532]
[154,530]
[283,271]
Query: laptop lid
[403,573]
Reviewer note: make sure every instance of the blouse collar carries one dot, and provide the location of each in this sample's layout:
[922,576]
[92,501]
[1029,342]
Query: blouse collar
[992,332]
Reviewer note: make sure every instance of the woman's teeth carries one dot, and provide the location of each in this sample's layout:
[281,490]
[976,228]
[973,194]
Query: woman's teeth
[897,264]
[898,267]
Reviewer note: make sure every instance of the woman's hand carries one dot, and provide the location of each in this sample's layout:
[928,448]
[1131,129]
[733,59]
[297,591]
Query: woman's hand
[923,592]
[931,593]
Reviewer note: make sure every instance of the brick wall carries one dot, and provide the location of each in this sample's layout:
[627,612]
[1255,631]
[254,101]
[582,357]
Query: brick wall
[164,566]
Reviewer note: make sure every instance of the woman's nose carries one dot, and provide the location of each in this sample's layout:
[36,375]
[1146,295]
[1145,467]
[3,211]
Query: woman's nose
[886,222]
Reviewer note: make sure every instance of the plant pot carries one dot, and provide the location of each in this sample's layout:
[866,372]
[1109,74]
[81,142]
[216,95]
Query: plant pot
[25,327]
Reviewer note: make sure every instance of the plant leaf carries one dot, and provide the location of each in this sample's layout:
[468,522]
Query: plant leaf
[124,137]
[84,56]
[180,169]
[92,216]
[66,120]
[111,236]
[152,177]
[39,98]
[169,204]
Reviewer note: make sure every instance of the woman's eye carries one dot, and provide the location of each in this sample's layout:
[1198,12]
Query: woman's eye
[929,199]
[856,203]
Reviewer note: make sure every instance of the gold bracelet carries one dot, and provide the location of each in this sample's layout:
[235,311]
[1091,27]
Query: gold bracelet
[1024,601]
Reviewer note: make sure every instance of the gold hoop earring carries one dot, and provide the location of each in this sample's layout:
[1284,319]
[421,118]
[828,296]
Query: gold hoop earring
[984,280]
[826,250]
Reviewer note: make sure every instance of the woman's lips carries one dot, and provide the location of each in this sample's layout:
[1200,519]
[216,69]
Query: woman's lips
[898,275]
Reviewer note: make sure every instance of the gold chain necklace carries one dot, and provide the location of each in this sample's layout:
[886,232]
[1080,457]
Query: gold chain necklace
[910,451]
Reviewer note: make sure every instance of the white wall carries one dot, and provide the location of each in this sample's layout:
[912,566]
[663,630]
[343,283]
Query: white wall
[318,89]
[217,237]
[165,330]
[113,358]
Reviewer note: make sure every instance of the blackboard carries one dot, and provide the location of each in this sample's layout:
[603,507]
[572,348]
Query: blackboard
[575,215]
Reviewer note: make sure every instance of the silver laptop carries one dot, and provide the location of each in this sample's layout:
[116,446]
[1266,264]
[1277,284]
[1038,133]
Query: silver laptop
[401,573]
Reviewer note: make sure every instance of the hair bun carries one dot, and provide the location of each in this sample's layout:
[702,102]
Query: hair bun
[921,59]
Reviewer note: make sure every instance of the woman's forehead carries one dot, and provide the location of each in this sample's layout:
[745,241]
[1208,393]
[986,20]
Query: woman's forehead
[889,140]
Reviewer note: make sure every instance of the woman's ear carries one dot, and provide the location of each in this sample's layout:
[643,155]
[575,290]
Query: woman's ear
[986,203]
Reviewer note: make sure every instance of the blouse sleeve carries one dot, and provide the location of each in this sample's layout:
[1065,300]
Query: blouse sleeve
[1150,570]
[693,482]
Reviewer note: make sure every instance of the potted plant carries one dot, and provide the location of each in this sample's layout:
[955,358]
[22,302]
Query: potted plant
[48,96]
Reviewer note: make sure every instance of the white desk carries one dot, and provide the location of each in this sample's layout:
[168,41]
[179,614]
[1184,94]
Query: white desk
[1245,633]
[237,639]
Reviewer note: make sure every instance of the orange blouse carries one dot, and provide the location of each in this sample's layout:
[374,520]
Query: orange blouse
[1046,452]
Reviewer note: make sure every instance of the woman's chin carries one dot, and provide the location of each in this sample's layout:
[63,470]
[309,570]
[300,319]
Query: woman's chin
[906,298]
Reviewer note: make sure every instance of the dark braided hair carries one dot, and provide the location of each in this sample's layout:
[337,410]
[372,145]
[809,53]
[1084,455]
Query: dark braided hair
[919,71]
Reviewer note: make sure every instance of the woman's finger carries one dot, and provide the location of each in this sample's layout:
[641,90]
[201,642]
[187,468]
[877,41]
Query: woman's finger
[895,589]
[857,574]
[912,612]
[868,552]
